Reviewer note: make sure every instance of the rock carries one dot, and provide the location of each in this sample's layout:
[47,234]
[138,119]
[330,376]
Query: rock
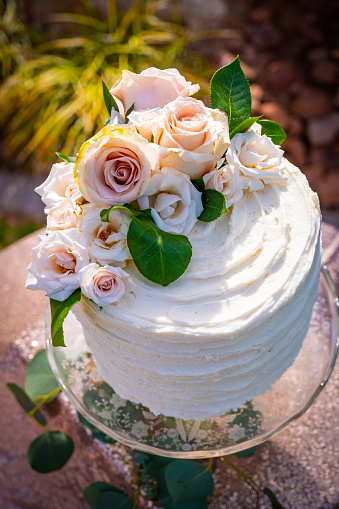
[323,130]
[276,112]
[295,151]
[280,74]
[311,102]
[328,190]
[257,92]
[314,174]
[324,72]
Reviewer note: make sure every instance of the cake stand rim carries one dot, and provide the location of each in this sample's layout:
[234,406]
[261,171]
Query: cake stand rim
[203,453]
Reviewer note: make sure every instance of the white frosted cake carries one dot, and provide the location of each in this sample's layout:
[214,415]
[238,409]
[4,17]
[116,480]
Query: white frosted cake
[191,246]
[234,321]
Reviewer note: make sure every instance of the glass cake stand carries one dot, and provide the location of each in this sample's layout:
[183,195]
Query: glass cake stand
[237,430]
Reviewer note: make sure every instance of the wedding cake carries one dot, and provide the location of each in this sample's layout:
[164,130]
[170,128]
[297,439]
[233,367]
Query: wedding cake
[195,245]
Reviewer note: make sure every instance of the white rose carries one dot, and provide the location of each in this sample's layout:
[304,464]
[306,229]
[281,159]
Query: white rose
[143,121]
[151,88]
[115,166]
[64,217]
[59,186]
[191,137]
[56,262]
[175,203]
[226,180]
[104,285]
[257,157]
[107,240]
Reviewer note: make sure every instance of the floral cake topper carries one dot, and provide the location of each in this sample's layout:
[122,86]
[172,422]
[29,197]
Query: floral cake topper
[162,162]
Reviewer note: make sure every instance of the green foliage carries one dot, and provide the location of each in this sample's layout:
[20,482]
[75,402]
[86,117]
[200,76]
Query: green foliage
[66,158]
[50,451]
[214,204]
[108,99]
[101,494]
[59,311]
[244,126]
[273,130]
[12,229]
[99,435]
[39,377]
[230,92]
[159,256]
[199,184]
[25,402]
[273,499]
[187,480]
[51,97]
[246,453]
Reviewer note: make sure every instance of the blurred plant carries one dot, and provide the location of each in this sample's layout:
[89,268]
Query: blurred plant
[50,97]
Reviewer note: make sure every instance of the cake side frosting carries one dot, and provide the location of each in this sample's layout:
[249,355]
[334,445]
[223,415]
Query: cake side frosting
[233,322]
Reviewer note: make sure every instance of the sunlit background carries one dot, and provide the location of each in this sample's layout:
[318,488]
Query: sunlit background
[53,53]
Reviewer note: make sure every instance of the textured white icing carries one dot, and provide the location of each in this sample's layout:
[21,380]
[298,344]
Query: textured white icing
[233,322]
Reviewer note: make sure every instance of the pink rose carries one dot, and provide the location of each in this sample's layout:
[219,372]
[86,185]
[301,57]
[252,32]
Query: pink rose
[191,137]
[151,88]
[115,166]
[104,285]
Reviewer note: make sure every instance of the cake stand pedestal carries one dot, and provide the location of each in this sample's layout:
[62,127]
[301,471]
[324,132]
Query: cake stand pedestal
[247,426]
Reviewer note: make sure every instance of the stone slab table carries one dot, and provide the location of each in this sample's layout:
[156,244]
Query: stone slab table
[300,464]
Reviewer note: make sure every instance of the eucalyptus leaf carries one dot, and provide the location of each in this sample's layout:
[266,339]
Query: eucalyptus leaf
[230,92]
[113,500]
[274,501]
[59,311]
[244,126]
[214,204]
[50,451]
[92,492]
[66,158]
[187,480]
[39,377]
[246,453]
[199,184]
[99,435]
[273,131]
[26,403]
[108,99]
[159,256]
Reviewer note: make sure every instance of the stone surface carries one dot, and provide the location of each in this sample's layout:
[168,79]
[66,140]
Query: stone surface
[323,130]
[311,102]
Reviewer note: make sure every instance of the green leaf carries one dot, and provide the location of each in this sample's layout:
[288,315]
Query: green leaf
[199,184]
[153,464]
[50,451]
[104,214]
[159,256]
[107,121]
[244,126]
[273,131]
[113,500]
[26,403]
[66,158]
[92,492]
[39,377]
[230,92]
[59,311]
[246,453]
[214,204]
[129,111]
[108,99]
[187,480]
[274,501]
[99,435]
